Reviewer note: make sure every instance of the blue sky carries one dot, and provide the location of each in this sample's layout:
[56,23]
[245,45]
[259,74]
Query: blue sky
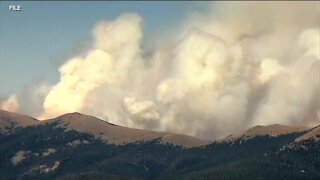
[37,40]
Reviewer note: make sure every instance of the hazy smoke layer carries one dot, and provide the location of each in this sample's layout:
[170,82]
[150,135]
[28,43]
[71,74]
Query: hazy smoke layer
[239,65]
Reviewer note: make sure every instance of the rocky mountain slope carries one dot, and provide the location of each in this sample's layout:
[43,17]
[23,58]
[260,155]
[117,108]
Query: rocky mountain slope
[10,121]
[76,146]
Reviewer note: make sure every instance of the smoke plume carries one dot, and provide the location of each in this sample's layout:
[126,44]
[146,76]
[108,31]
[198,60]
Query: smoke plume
[10,104]
[238,65]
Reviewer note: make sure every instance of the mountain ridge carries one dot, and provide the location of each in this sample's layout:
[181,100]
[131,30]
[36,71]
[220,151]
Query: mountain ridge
[120,135]
[13,120]
[272,130]
[59,148]
[313,133]
[114,133]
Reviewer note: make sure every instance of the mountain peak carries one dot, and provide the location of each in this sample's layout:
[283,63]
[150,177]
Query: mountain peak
[119,134]
[73,115]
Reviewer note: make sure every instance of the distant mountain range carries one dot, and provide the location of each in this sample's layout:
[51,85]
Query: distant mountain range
[77,146]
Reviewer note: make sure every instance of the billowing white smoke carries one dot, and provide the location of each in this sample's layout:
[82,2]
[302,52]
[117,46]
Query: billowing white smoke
[114,56]
[295,87]
[239,65]
[11,104]
[30,101]
[141,114]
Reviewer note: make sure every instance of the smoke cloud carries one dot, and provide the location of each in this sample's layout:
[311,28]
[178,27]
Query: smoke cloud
[10,104]
[141,114]
[238,65]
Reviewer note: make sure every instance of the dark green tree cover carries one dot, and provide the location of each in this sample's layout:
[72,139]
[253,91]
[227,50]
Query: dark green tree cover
[261,157]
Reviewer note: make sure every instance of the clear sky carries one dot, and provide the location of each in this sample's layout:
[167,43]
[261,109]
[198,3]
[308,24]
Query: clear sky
[38,39]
